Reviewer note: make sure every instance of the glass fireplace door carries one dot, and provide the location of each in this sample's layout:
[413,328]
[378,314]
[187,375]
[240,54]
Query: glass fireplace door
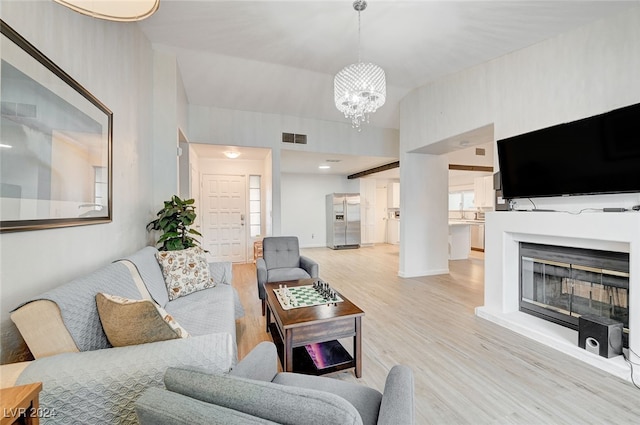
[561,286]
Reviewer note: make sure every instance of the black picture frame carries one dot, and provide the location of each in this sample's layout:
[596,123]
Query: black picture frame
[55,144]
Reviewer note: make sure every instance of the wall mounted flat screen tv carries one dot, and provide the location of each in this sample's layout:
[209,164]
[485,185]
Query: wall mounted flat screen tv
[599,154]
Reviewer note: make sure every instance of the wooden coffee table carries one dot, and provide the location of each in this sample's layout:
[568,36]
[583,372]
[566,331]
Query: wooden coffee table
[298,327]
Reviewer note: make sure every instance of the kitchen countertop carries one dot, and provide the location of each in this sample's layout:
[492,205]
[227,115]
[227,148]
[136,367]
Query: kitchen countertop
[454,222]
[459,223]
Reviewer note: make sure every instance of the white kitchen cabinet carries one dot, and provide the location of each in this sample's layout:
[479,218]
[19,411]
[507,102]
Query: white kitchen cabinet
[393,195]
[477,237]
[459,241]
[393,231]
[483,192]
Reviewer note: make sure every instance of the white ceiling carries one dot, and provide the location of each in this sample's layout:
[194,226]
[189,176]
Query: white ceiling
[303,162]
[281,56]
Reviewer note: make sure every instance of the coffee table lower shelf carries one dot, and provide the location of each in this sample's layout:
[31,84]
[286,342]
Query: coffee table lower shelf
[331,356]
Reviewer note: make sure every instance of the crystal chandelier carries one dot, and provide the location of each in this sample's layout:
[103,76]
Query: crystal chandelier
[360,88]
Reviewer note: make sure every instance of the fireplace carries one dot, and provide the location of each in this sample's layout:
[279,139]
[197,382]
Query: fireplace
[505,231]
[560,284]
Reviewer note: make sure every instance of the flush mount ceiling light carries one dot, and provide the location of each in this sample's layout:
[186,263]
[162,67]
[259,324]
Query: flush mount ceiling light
[113,10]
[324,167]
[360,88]
[232,154]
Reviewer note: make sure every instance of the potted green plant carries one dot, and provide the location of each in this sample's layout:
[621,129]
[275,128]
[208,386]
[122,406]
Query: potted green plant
[174,221]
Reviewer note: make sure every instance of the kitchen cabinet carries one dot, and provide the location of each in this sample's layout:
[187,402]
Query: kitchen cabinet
[483,192]
[459,241]
[477,237]
[393,231]
[393,195]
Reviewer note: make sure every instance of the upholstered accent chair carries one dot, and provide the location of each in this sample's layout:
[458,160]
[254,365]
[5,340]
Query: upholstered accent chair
[281,261]
[255,393]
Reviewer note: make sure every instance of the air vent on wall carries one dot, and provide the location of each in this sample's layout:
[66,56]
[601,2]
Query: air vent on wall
[294,138]
[23,110]
[288,137]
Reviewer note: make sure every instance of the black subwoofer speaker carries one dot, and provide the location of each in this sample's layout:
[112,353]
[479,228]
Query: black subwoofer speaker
[600,335]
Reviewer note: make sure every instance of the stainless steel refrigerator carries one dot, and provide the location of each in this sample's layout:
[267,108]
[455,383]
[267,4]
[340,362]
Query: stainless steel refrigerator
[343,220]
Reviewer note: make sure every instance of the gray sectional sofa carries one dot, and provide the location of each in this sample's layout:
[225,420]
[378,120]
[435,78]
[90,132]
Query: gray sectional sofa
[85,379]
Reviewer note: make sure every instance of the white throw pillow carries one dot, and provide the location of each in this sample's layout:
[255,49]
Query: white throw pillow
[185,271]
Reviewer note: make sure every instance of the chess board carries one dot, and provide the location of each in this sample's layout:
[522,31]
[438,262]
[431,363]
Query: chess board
[302,296]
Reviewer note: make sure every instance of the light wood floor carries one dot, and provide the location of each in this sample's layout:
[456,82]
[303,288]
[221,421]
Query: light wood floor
[467,370]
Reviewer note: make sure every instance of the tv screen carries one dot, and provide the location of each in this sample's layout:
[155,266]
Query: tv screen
[600,154]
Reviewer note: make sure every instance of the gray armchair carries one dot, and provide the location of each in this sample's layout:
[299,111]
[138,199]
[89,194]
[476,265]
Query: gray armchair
[255,393]
[281,261]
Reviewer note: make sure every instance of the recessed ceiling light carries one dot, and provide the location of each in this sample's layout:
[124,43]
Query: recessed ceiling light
[324,167]
[2,145]
[232,154]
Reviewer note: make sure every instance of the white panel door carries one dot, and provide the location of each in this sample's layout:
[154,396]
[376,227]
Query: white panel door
[224,212]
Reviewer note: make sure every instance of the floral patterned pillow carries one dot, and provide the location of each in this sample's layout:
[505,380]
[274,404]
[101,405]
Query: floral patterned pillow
[133,322]
[185,271]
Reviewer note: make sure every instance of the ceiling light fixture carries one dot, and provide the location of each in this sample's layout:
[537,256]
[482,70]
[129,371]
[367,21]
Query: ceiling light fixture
[324,167]
[360,88]
[232,154]
[114,10]
[2,145]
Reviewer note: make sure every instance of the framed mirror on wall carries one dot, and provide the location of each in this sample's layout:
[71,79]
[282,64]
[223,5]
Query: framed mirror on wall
[55,144]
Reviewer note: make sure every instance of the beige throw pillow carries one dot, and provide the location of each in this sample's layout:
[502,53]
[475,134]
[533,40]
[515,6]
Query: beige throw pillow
[133,322]
[185,271]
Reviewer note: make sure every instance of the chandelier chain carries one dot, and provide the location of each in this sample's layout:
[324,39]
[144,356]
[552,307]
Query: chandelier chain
[359,37]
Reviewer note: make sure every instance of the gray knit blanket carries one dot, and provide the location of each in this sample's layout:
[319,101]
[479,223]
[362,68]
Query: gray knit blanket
[100,387]
[77,303]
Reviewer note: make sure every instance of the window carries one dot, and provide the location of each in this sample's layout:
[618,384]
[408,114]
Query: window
[100,185]
[254,206]
[463,200]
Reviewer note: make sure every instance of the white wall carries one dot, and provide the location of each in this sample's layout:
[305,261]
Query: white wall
[115,63]
[194,184]
[165,128]
[241,128]
[304,205]
[424,194]
[368,202]
[463,180]
[267,183]
[582,73]
[468,156]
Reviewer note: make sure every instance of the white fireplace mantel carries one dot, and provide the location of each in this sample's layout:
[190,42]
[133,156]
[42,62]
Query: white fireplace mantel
[595,230]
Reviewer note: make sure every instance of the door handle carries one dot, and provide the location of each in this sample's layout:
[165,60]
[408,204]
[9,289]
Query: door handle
[241,219]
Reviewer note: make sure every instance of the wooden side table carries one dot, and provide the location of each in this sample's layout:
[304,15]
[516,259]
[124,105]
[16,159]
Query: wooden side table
[21,404]
[257,250]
